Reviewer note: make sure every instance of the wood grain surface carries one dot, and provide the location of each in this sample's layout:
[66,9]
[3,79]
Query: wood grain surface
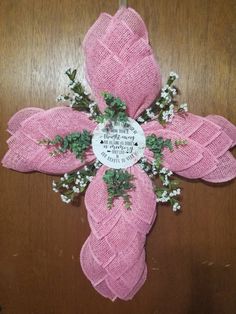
[191,257]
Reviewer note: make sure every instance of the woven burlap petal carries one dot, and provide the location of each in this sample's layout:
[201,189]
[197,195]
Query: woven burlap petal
[25,154]
[116,243]
[206,154]
[17,119]
[119,60]
[226,126]
[225,170]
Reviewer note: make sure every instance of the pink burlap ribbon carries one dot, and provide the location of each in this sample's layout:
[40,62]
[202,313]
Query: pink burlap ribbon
[119,60]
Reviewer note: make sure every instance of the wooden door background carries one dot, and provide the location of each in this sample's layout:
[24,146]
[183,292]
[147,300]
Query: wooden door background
[191,257]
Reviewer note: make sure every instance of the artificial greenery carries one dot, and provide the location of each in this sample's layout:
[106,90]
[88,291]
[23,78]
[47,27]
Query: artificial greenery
[77,143]
[168,189]
[78,98]
[165,105]
[71,74]
[70,185]
[156,145]
[118,182]
[115,110]
[180,142]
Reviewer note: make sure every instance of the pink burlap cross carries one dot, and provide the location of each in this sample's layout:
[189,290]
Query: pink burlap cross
[120,60]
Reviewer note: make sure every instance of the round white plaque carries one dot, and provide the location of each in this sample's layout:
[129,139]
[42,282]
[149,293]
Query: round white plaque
[118,145]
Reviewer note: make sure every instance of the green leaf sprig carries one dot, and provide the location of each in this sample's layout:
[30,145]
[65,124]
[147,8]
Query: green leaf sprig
[156,145]
[78,98]
[168,191]
[165,106]
[115,110]
[118,182]
[77,143]
[72,184]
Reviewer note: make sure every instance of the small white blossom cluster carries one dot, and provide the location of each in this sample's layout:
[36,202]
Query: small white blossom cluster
[168,115]
[176,207]
[150,113]
[164,102]
[65,199]
[75,182]
[54,187]
[164,198]
[167,93]
[168,197]
[81,181]
[145,165]
[154,168]
[92,112]
[184,107]
[167,173]
[167,107]
[72,99]
[174,75]
[65,177]
[169,194]
[140,120]
[150,169]
[60,98]
[97,164]
[172,90]
[75,99]
[175,192]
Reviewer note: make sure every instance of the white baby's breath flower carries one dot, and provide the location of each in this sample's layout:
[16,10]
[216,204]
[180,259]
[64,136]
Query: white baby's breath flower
[166,181]
[173,91]
[150,113]
[140,119]
[65,199]
[160,105]
[176,207]
[60,98]
[164,94]
[178,191]
[174,75]
[72,85]
[75,189]
[168,115]
[163,199]
[92,105]
[97,164]
[164,170]
[184,107]
[89,178]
